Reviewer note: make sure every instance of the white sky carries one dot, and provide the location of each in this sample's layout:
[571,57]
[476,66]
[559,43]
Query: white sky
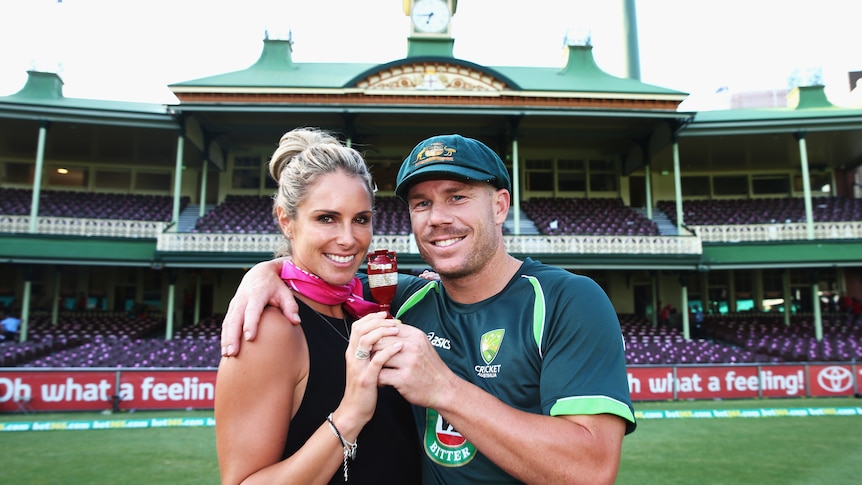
[131,50]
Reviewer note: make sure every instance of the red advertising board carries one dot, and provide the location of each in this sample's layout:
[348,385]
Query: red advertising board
[830,380]
[57,390]
[78,390]
[95,390]
[651,383]
[738,381]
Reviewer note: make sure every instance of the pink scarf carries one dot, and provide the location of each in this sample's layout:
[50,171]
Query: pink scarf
[320,291]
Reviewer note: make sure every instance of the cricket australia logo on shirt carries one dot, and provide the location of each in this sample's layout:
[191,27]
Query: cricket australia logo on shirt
[489,345]
[443,444]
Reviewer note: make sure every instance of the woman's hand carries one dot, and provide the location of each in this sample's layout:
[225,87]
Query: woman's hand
[363,368]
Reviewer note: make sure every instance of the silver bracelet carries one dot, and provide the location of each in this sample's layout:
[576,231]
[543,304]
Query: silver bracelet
[349,448]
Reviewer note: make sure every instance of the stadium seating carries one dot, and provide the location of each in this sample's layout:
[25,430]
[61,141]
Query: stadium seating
[648,345]
[241,214]
[602,216]
[391,216]
[252,214]
[90,205]
[770,210]
[842,342]
[136,353]
[116,340]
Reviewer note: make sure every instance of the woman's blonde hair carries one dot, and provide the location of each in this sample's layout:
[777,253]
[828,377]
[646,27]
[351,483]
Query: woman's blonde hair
[303,154]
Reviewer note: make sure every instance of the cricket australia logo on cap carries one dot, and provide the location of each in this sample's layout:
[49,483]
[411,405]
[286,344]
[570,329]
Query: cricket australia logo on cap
[489,346]
[435,152]
[443,444]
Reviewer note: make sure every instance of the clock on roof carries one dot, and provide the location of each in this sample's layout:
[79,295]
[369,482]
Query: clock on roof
[430,16]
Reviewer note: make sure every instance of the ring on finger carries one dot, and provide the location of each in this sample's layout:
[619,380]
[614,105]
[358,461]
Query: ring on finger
[362,354]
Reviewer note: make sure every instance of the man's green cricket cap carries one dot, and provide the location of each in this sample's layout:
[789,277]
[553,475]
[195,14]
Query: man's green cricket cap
[451,157]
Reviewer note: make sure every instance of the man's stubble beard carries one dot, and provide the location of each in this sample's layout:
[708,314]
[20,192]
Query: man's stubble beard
[484,244]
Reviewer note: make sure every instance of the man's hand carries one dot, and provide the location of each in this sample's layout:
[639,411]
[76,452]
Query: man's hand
[417,371]
[260,286]
[429,275]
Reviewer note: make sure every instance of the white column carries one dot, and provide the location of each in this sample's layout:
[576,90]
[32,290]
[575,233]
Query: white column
[37,177]
[806,186]
[178,180]
[516,187]
[677,186]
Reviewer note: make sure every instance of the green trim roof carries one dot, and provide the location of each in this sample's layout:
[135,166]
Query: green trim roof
[809,110]
[42,98]
[46,89]
[581,73]
[275,69]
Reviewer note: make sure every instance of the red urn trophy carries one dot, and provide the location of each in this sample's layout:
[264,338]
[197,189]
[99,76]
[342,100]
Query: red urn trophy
[383,277]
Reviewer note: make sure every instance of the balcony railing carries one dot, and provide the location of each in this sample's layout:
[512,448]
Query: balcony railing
[533,244]
[254,243]
[72,226]
[525,244]
[795,231]
[603,244]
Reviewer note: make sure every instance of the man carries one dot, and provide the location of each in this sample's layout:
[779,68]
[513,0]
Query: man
[10,324]
[518,371]
[698,322]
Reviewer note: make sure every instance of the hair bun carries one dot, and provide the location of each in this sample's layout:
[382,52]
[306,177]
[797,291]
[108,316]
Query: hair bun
[295,142]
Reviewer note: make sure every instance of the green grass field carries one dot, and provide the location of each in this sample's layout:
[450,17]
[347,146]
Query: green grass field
[770,450]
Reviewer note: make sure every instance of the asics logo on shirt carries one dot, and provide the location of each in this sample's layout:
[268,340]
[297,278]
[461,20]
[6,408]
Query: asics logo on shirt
[439,342]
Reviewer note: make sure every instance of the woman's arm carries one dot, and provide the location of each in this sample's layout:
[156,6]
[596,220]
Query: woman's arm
[256,396]
[258,393]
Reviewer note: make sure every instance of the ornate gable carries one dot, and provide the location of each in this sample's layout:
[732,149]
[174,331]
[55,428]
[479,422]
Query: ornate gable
[430,76]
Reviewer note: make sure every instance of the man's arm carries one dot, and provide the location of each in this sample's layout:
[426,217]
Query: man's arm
[260,286]
[531,447]
[536,448]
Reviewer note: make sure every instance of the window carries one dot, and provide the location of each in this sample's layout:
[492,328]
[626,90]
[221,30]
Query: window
[821,183]
[113,179]
[730,185]
[695,186]
[572,176]
[572,182]
[19,173]
[770,185]
[773,283]
[153,181]
[62,176]
[247,173]
[744,287]
[540,175]
[603,176]
[540,181]
[384,173]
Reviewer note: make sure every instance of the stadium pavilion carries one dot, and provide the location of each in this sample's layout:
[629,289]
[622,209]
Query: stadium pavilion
[114,206]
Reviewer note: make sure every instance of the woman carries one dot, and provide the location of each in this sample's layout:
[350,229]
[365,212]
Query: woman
[288,410]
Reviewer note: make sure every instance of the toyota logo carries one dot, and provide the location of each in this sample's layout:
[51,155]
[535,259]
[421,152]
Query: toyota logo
[835,379]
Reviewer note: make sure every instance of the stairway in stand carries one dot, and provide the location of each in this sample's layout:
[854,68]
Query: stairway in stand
[666,227]
[526,226]
[189,217]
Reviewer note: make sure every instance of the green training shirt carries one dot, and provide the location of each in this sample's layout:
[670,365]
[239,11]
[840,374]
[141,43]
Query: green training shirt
[549,343]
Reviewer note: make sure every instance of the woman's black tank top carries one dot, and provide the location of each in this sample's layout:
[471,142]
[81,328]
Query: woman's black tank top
[388,450]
